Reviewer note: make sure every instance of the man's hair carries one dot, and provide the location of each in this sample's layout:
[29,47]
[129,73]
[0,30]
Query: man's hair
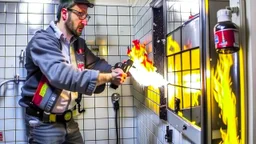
[64,4]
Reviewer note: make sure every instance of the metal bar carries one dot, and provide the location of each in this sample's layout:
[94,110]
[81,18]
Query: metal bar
[12,80]
[240,19]
[205,66]
[251,77]
[192,132]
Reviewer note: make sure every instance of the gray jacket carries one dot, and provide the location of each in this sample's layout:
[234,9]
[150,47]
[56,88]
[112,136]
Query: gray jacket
[44,56]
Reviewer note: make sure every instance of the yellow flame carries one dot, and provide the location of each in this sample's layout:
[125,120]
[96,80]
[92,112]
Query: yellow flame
[226,99]
[172,46]
[145,77]
[242,95]
[144,72]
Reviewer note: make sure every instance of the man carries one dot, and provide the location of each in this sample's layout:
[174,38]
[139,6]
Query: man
[60,68]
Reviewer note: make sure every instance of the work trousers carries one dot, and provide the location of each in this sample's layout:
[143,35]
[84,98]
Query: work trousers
[39,132]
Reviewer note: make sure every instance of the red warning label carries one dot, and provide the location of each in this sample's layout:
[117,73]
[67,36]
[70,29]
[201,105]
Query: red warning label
[1,136]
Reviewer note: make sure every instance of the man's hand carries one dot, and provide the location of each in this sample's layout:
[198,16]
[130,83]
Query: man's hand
[118,76]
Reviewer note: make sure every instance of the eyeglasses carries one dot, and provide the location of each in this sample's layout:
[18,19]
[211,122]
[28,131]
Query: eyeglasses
[80,15]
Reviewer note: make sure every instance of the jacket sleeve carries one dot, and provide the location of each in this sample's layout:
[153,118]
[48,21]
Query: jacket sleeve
[46,54]
[94,62]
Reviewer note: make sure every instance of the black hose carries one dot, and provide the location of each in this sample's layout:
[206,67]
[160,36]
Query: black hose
[116,108]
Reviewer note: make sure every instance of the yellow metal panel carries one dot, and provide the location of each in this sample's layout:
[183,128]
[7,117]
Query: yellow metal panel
[195,94]
[186,78]
[178,78]
[153,98]
[177,62]
[157,99]
[170,64]
[186,98]
[178,94]
[171,78]
[171,96]
[196,79]
[195,58]
[186,60]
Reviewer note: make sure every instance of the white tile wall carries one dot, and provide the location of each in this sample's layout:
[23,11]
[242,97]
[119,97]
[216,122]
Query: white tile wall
[89,30]
[124,30]
[89,135]
[2,28]
[112,40]
[101,40]
[108,28]
[124,20]
[2,40]
[101,102]
[113,50]
[100,20]
[112,30]
[101,30]
[101,10]
[101,134]
[92,20]
[112,10]
[124,40]
[112,20]
[113,59]
[91,11]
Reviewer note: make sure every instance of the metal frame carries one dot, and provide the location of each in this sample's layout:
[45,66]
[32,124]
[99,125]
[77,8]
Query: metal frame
[192,132]
[251,115]
[205,65]
[240,19]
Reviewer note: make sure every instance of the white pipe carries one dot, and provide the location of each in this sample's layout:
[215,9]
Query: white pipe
[16,81]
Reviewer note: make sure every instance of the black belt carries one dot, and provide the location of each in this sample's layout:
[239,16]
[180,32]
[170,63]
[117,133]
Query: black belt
[50,117]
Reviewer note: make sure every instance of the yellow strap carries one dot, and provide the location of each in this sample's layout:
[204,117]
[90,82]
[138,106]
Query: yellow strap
[74,112]
[72,56]
[52,118]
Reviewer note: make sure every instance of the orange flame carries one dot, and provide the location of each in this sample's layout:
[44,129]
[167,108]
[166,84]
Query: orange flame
[188,45]
[139,53]
[226,99]
[144,72]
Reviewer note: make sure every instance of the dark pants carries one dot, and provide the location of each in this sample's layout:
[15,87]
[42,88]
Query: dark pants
[52,133]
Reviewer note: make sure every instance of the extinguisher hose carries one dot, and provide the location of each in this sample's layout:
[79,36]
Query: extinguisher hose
[116,107]
[116,128]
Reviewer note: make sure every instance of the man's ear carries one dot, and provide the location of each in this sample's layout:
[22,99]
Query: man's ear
[64,14]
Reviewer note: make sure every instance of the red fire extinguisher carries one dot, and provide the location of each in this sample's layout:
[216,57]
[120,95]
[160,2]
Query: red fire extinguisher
[226,34]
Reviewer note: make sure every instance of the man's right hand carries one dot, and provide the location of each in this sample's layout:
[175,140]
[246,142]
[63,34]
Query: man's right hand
[118,76]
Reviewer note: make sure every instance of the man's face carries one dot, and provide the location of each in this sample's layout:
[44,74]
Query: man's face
[76,19]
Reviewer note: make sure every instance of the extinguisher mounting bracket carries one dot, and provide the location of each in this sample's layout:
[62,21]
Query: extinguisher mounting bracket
[233,9]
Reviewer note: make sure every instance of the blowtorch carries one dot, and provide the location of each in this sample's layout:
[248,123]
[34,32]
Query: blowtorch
[125,66]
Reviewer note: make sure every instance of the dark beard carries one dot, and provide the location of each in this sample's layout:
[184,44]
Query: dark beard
[70,27]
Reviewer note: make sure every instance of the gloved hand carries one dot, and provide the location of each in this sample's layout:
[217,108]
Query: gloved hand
[118,76]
